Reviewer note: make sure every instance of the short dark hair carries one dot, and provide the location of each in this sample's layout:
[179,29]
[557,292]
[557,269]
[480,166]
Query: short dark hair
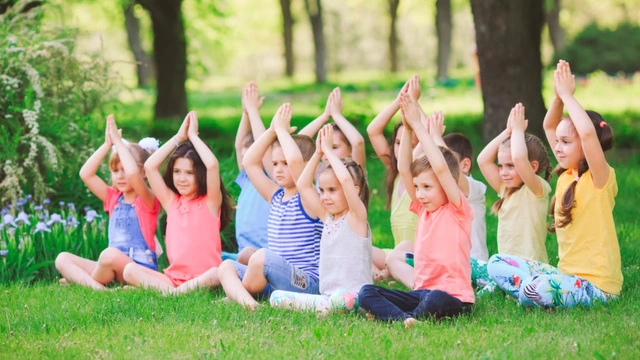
[460,143]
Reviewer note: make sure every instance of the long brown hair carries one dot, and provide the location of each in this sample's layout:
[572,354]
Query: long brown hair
[392,171]
[567,203]
[187,151]
[535,152]
[357,174]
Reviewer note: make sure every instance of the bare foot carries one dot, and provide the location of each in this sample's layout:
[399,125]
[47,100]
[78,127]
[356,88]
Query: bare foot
[129,287]
[381,275]
[63,282]
[370,317]
[391,283]
[409,322]
[322,314]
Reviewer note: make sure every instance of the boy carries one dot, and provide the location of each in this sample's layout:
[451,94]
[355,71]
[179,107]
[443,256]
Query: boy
[291,261]
[442,280]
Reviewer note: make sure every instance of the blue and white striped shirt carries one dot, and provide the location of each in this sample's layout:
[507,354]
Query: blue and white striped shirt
[293,234]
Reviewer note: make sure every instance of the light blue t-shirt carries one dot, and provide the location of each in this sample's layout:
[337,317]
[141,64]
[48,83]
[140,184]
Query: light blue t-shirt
[252,215]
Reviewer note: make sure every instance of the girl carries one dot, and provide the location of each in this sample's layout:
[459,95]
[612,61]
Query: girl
[345,247]
[589,268]
[524,195]
[133,214]
[198,208]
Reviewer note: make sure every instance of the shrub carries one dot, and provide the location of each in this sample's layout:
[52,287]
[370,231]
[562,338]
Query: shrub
[47,102]
[611,51]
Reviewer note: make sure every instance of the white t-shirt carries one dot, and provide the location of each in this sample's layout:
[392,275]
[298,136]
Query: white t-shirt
[478,203]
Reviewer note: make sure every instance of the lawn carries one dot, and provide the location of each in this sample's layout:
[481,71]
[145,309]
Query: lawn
[52,321]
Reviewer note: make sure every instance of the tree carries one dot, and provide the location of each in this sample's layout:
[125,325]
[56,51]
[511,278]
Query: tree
[169,56]
[314,9]
[287,36]
[443,30]
[393,35]
[552,17]
[143,63]
[508,39]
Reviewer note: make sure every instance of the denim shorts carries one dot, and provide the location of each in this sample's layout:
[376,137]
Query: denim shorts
[281,275]
[144,257]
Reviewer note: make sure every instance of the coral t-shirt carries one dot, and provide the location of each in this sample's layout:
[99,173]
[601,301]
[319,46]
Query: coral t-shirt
[442,247]
[148,218]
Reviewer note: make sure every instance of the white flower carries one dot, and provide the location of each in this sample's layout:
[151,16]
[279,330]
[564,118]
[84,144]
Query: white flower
[149,144]
[23,217]
[55,218]
[92,215]
[41,227]
[8,220]
[71,221]
[4,253]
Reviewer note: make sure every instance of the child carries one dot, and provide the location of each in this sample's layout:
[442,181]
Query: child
[589,269]
[291,260]
[442,286]
[474,190]
[345,247]
[403,221]
[524,195]
[198,208]
[252,211]
[133,214]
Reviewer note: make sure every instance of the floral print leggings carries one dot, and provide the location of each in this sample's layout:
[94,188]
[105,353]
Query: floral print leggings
[538,284]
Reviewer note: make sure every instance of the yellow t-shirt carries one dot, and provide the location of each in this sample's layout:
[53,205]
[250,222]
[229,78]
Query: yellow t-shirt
[522,223]
[403,221]
[588,247]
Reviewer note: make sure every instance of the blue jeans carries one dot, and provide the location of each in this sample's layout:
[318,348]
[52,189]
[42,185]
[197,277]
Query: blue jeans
[387,304]
[281,275]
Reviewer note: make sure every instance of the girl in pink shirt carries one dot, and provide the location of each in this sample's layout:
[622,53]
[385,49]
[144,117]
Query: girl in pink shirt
[198,207]
[133,214]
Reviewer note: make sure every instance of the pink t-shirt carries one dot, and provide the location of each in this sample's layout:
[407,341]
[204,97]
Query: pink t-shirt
[193,239]
[442,247]
[147,218]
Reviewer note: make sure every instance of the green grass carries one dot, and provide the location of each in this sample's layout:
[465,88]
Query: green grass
[48,320]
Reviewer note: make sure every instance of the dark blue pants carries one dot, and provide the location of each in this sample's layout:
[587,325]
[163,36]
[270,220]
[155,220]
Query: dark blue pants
[386,304]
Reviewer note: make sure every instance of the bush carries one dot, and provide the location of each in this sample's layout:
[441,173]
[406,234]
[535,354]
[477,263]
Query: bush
[611,51]
[47,102]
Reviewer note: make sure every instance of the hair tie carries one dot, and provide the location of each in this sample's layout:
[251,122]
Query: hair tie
[602,124]
[577,178]
[149,144]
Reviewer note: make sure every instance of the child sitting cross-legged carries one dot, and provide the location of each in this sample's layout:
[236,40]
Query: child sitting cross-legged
[442,281]
[345,247]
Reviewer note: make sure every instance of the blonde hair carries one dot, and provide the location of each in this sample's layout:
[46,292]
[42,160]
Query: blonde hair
[305,144]
[359,180]
[139,154]
[422,164]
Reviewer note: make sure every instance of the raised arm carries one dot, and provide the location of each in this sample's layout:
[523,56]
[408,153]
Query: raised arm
[375,130]
[519,153]
[553,117]
[411,111]
[357,215]
[131,168]
[292,154]
[252,164]
[243,131]
[308,193]
[405,158]
[488,155]
[565,84]
[314,126]
[437,123]
[252,102]
[88,172]
[350,132]
[153,163]
[214,195]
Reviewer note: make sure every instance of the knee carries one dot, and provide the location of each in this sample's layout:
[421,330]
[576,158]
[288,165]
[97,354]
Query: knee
[108,256]
[366,292]
[62,259]
[245,255]
[225,268]
[129,272]
[257,260]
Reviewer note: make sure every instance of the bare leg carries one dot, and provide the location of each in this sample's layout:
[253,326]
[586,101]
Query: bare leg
[110,266]
[379,266]
[208,279]
[245,255]
[138,276]
[233,286]
[398,267]
[77,270]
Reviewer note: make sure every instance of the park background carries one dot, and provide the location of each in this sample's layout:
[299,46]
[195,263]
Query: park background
[65,65]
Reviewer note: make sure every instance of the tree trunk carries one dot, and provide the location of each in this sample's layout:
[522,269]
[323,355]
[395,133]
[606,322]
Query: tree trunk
[443,30]
[508,39]
[287,36]
[143,65]
[170,57]
[314,8]
[393,35]
[552,17]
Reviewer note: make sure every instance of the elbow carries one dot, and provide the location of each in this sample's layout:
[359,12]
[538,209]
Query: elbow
[83,174]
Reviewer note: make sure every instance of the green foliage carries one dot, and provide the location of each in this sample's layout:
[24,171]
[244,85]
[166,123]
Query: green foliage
[609,50]
[32,235]
[48,99]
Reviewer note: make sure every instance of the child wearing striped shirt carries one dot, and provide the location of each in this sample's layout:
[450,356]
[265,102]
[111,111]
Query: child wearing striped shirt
[291,261]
